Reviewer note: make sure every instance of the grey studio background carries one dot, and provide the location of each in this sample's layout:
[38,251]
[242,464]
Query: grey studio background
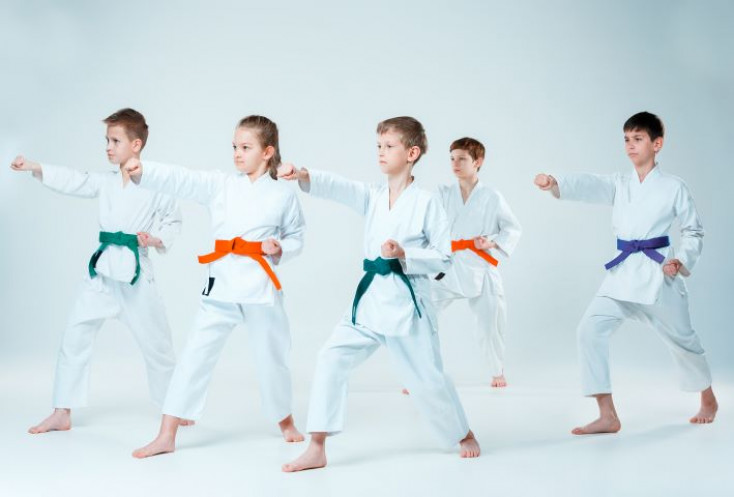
[545,85]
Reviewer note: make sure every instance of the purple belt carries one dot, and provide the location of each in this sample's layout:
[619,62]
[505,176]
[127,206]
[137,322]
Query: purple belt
[629,247]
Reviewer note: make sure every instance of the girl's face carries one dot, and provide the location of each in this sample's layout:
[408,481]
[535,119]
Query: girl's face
[249,155]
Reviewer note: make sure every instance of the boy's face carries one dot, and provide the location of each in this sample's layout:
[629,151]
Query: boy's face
[120,148]
[249,155]
[462,164]
[394,157]
[640,148]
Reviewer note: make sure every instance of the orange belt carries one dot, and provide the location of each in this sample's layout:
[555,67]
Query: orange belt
[240,247]
[457,245]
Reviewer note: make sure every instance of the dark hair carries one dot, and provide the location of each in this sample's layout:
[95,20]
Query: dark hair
[411,132]
[647,122]
[267,133]
[132,122]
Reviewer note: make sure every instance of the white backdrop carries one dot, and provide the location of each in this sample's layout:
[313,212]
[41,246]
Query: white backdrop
[545,85]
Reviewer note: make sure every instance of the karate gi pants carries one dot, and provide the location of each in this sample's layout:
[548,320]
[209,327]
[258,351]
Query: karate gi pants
[669,317]
[137,306]
[490,323]
[417,358]
[270,344]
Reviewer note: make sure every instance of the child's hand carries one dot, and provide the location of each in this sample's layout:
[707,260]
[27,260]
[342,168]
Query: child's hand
[148,240]
[272,247]
[672,267]
[20,163]
[482,243]
[545,181]
[287,171]
[392,250]
[134,169]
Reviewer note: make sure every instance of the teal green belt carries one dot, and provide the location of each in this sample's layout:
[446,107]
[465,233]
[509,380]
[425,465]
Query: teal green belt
[121,239]
[383,267]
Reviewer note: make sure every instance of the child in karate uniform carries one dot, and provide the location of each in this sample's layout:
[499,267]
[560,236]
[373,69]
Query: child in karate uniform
[480,220]
[119,282]
[256,223]
[406,240]
[644,282]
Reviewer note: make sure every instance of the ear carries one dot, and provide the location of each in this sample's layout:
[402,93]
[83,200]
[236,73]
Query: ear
[479,163]
[657,144]
[137,145]
[414,153]
[268,152]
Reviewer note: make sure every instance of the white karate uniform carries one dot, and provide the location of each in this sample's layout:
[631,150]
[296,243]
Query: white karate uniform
[129,209]
[238,290]
[637,288]
[386,314]
[487,214]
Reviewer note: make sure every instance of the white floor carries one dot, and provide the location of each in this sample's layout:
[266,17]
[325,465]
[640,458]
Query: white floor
[385,451]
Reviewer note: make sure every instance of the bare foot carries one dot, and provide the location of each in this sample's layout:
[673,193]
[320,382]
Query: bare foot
[59,420]
[469,446]
[499,381]
[314,457]
[163,444]
[289,430]
[186,422]
[405,391]
[601,425]
[709,406]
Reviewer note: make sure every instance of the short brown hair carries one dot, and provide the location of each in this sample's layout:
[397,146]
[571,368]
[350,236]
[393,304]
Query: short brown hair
[267,133]
[411,132]
[473,147]
[132,122]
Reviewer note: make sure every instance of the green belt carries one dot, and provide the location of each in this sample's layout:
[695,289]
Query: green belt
[121,239]
[383,267]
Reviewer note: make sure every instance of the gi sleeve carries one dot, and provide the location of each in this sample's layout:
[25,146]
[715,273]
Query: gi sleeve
[509,228]
[691,230]
[353,194]
[71,182]
[585,187]
[434,257]
[292,230]
[168,217]
[199,186]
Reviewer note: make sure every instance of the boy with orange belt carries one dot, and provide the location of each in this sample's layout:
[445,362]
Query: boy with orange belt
[480,220]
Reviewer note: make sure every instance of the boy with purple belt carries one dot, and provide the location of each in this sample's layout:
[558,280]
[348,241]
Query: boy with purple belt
[642,282]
